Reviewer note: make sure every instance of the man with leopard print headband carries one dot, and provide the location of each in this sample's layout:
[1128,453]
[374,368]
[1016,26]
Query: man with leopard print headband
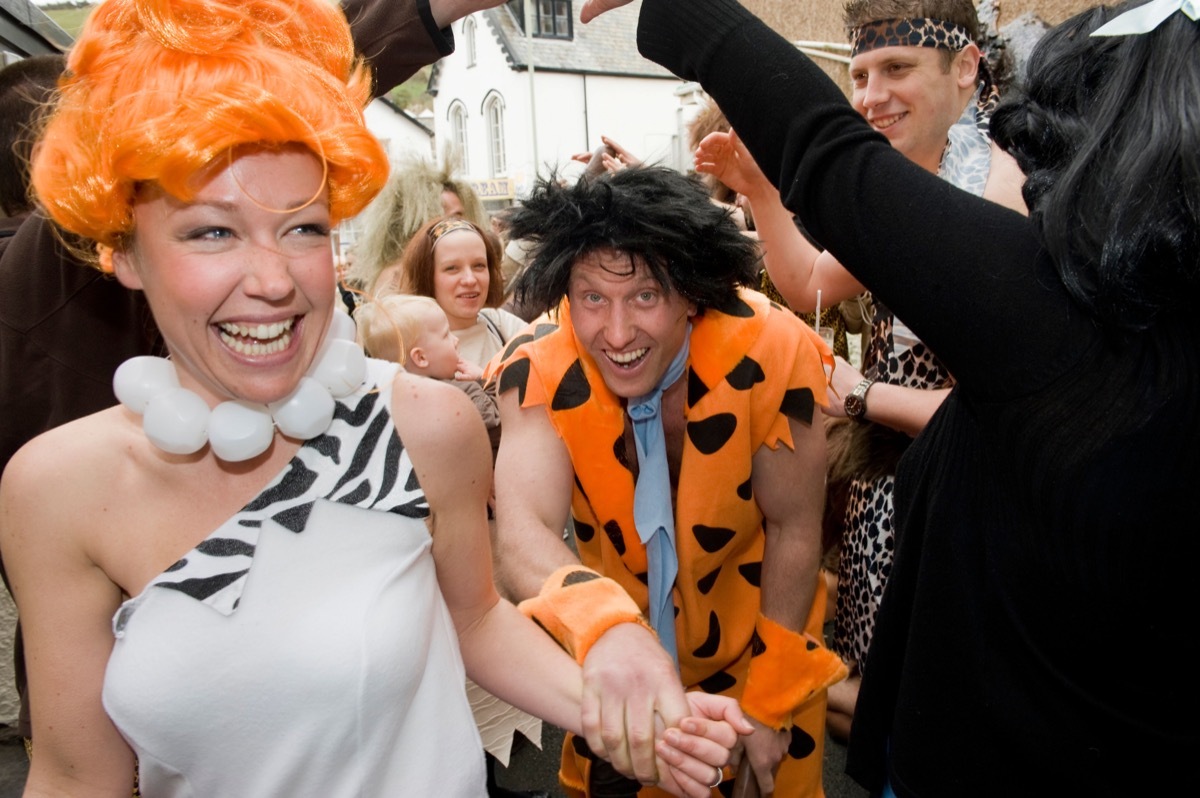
[919,79]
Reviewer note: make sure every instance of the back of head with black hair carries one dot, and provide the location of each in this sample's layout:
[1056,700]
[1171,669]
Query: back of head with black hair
[1108,133]
[652,214]
[26,87]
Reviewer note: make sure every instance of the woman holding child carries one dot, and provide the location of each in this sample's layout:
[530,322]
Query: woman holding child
[453,261]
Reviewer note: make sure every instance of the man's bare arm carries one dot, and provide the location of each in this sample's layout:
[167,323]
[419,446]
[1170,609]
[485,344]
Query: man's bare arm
[630,683]
[789,486]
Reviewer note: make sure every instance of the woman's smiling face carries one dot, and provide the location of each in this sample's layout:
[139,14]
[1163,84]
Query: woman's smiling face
[240,278]
[460,277]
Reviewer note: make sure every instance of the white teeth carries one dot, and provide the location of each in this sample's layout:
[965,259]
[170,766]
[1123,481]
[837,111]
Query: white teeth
[263,332]
[265,339]
[627,357]
[886,122]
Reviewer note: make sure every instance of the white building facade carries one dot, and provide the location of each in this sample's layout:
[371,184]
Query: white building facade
[508,124]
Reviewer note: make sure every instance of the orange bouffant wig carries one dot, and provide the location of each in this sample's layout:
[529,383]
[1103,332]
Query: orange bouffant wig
[159,90]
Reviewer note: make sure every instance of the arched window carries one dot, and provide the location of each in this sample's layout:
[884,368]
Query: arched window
[468,30]
[493,113]
[458,133]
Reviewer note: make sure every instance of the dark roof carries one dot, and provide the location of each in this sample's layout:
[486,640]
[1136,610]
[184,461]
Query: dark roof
[406,115]
[25,30]
[605,46]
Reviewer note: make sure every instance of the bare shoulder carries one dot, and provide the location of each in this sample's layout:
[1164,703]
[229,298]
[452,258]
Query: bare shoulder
[441,429]
[61,496]
[428,412]
[81,459]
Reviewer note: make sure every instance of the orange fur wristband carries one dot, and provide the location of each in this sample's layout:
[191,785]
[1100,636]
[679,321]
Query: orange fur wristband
[786,670]
[576,606]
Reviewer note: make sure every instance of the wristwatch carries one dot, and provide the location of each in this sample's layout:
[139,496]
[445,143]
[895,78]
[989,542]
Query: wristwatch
[856,400]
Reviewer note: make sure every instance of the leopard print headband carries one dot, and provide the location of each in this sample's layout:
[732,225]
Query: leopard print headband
[924,32]
[917,32]
[448,226]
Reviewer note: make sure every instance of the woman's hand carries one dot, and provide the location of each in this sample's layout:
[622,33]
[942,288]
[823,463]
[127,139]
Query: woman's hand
[844,378]
[693,756]
[594,8]
[725,157]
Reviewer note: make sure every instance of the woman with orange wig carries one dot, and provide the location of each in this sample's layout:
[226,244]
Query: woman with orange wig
[271,569]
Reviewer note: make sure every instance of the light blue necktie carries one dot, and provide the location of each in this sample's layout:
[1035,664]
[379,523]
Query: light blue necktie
[652,511]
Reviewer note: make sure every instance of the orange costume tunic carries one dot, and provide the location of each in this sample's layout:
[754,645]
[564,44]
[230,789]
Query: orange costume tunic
[750,368]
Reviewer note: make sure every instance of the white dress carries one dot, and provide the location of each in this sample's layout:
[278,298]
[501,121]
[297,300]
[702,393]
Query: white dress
[304,648]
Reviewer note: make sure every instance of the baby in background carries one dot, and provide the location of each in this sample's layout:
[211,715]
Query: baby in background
[414,332]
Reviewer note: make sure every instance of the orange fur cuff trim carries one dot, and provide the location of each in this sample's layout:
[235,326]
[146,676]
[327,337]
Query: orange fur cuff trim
[786,670]
[576,606]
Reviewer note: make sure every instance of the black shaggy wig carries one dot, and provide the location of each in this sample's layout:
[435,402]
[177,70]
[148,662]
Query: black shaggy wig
[651,214]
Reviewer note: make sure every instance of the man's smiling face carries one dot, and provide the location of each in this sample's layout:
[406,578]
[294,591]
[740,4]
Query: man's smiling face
[629,323]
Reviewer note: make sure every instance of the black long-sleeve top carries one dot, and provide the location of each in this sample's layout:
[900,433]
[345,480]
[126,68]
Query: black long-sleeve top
[1032,639]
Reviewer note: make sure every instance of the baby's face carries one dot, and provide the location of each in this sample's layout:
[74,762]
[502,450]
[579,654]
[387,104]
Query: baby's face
[439,345]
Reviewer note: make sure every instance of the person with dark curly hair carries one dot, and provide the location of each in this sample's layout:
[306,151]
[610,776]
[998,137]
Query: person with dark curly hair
[1012,649]
[670,416]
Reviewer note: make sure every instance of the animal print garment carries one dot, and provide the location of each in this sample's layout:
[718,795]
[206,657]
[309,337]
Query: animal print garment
[895,355]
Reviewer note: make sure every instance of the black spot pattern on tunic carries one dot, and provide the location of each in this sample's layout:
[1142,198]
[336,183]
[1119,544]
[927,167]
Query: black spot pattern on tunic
[712,538]
[573,390]
[585,532]
[621,452]
[710,434]
[736,306]
[515,343]
[802,744]
[707,581]
[798,404]
[709,647]
[745,375]
[719,682]
[745,491]
[515,375]
[751,572]
[578,578]
[696,389]
[613,530]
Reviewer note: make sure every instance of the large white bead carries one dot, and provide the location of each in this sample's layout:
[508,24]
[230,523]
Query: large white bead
[240,430]
[306,413]
[341,327]
[341,367]
[138,379]
[176,421]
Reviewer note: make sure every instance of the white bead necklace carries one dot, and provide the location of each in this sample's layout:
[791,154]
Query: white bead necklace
[178,421]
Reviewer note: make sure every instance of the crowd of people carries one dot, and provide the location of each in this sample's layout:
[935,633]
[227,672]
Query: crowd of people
[590,461]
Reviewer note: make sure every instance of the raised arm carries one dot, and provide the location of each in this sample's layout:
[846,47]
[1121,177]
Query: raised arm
[797,268]
[398,37]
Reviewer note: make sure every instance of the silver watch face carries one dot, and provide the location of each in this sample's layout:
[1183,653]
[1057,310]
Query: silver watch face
[856,402]
[855,407]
